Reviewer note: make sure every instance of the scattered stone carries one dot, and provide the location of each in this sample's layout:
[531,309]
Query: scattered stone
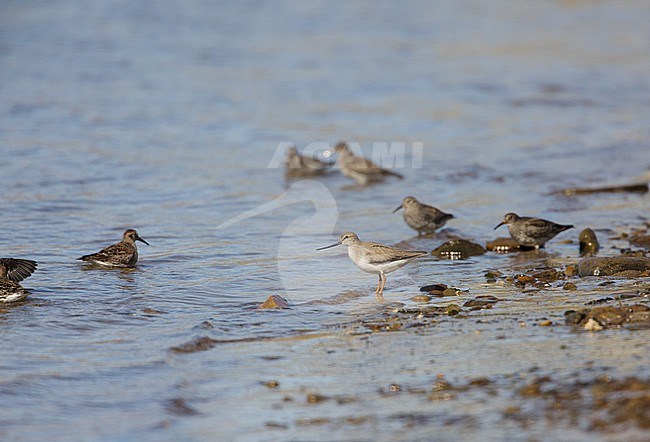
[272,384]
[599,318]
[481,302]
[274,301]
[493,274]
[314,421]
[569,286]
[524,279]
[452,310]
[314,398]
[600,301]
[545,323]
[458,249]
[390,324]
[421,298]
[548,275]
[451,292]
[179,407]
[629,188]
[611,405]
[632,252]
[613,266]
[199,344]
[571,270]
[503,245]
[641,241]
[588,242]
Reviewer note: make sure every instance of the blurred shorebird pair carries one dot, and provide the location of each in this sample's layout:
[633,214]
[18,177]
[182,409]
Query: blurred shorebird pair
[361,170]
[375,258]
[299,166]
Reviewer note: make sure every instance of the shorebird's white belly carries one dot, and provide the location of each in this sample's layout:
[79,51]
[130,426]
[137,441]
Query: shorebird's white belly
[376,268]
[108,264]
[13,297]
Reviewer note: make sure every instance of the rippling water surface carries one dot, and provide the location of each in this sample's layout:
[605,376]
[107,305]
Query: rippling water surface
[164,117]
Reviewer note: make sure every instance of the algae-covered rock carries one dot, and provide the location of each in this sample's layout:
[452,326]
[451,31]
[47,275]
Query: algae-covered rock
[588,242]
[613,266]
[458,249]
[641,241]
[602,317]
[631,188]
[503,245]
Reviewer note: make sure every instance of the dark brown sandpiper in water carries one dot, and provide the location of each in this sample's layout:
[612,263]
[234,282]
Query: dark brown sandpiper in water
[12,271]
[421,217]
[122,254]
[531,232]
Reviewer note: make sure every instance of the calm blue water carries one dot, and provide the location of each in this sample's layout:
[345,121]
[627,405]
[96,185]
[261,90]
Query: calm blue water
[165,116]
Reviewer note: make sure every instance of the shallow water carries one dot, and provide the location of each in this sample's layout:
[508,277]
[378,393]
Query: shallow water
[164,117]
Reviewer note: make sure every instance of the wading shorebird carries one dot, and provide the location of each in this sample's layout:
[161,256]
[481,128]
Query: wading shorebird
[298,166]
[531,232]
[375,258]
[122,254]
[12,271]
[421,217]
[361,170]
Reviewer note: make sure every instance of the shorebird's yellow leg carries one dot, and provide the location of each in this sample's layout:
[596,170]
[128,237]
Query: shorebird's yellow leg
[378,285]
[382,284]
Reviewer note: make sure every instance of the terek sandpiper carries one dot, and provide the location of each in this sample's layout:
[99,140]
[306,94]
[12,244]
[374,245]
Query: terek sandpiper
[12,271]
[358,168]
[423,218]
[299,166]
[375,258]
[122,254]
[531,232]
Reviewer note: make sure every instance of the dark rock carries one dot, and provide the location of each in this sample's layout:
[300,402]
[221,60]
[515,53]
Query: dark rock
[570,286]
[612,266]
[274,301]
[599,301]
[481,302]
[588,242]
[503,245]
[573,317]
[641,241]
[634,188]
[431,287]
[452,310]
[179,407]
[548,275]
[458,249]
[199,344]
